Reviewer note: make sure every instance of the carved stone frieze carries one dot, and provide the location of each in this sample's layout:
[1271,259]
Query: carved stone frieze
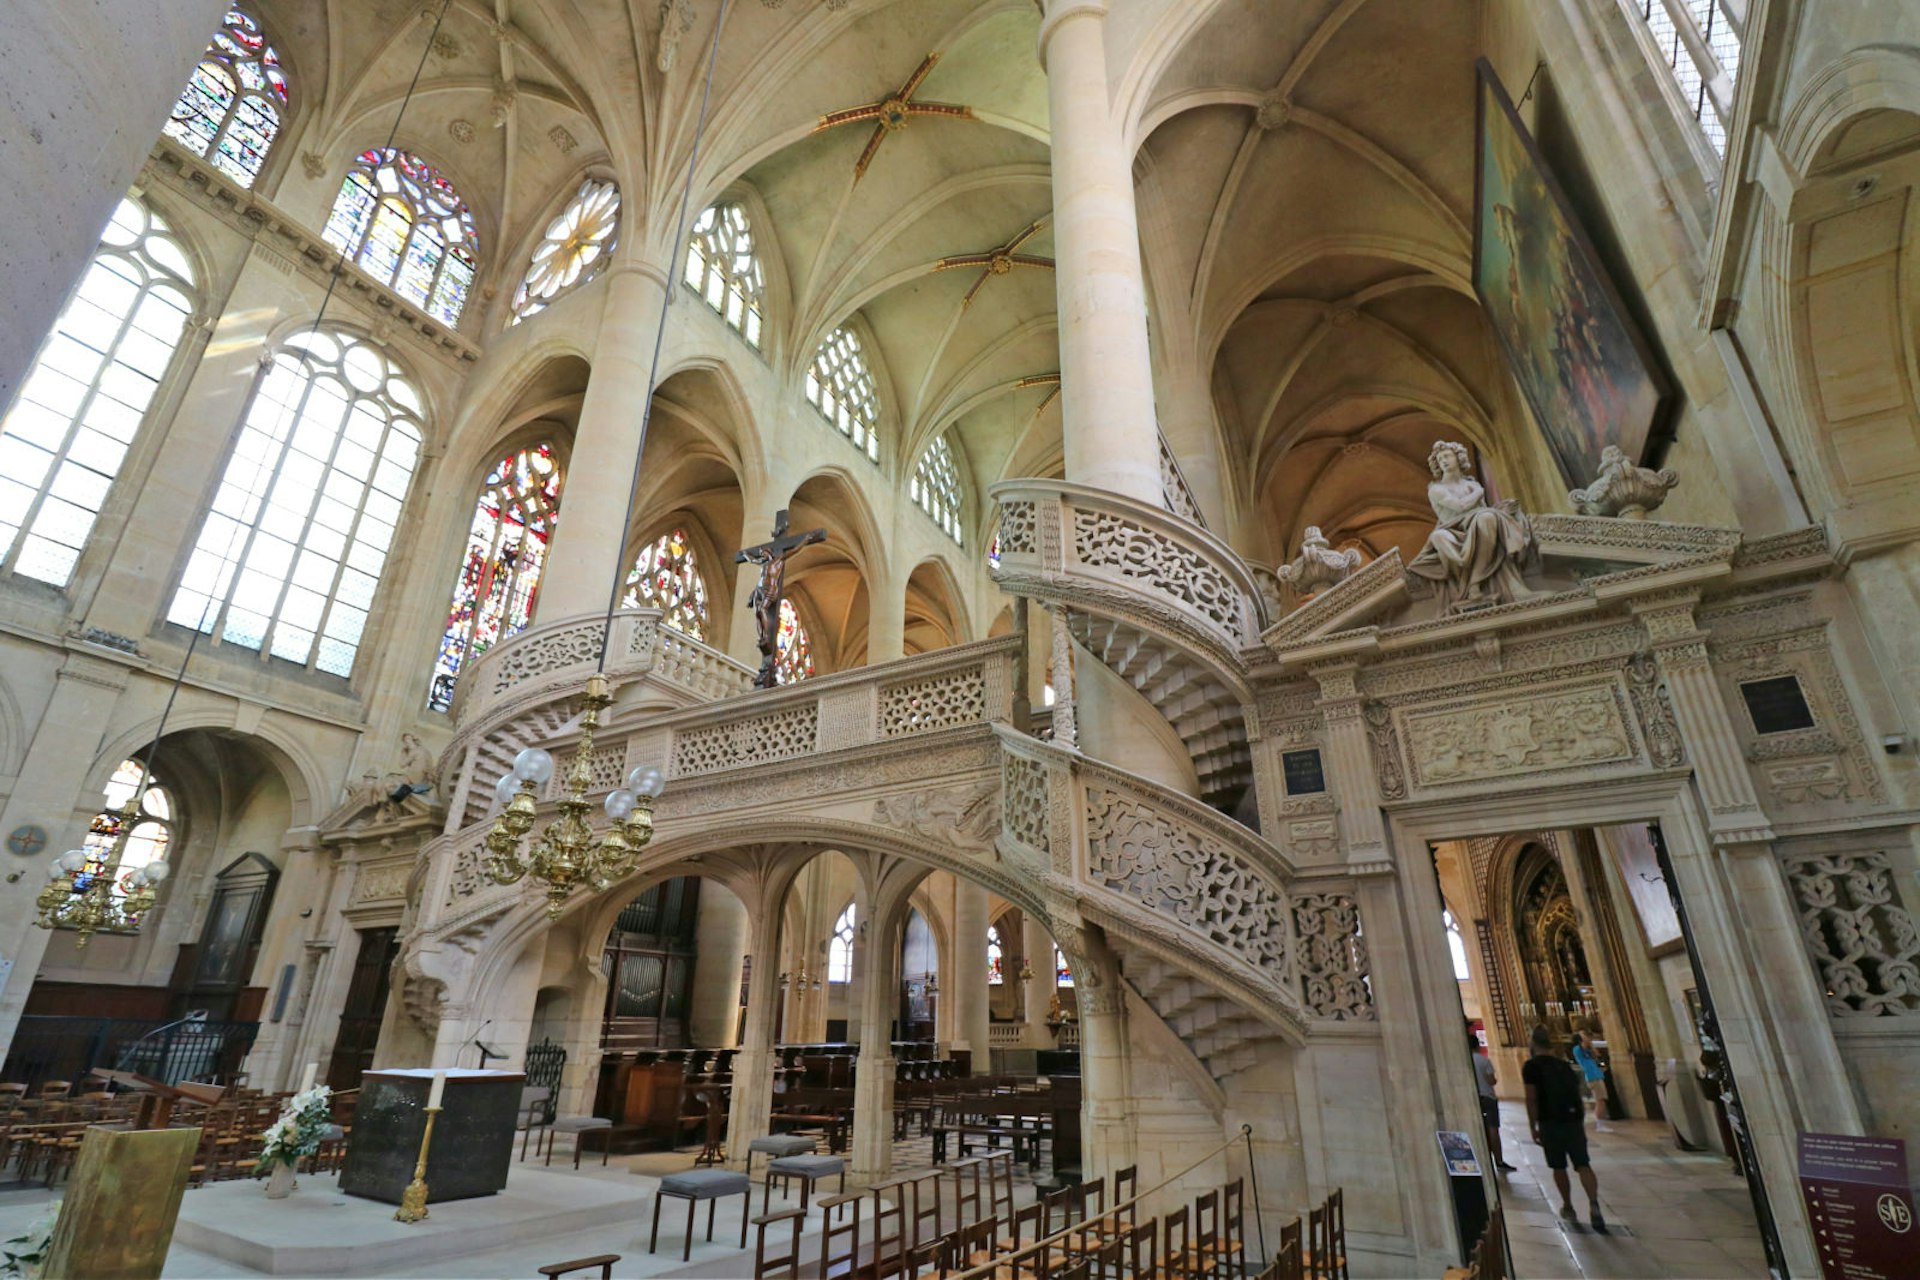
[1106,540]
[1023,804]
[777,735]
[1655,710]
[1384,737]
[1317,839]
[939,701]
[378,882]
[968,816]
[1016,529]
[1474,741]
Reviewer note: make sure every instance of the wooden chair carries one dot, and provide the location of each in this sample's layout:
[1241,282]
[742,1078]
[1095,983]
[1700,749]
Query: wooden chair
[1289,1263]
[605,1261]
[783,1266]
[969,1203]
[973,1244]
[889,1226]
[1143,1251]
[840,1245]
[1199,1261]
[999,1167]
[1233,1230]
[1176,1241]
[1326,1252]
[927,1210]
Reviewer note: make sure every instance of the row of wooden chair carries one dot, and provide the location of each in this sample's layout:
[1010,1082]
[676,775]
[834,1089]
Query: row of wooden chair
[1488,1261]
[1320,1253]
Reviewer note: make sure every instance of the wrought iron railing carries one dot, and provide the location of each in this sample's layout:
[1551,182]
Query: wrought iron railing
[47,1047]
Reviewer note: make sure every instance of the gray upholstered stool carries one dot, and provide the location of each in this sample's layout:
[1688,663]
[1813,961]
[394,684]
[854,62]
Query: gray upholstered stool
[694,1186]
[780,1144]
[806,1170]
[580,1127]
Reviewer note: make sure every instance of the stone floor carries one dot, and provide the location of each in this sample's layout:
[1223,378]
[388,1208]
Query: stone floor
[1669,1213]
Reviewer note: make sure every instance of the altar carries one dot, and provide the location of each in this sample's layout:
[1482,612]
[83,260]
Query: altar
[472,1138]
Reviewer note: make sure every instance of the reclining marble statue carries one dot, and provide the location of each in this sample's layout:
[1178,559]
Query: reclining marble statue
[1476,554]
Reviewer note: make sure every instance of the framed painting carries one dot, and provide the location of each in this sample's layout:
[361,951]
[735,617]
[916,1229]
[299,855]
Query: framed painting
[1583,365]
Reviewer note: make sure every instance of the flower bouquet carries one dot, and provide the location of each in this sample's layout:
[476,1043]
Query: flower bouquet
[295,1135]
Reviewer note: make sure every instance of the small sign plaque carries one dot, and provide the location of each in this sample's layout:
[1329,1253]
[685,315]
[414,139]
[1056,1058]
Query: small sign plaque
[1858,1205]
[1456,1148]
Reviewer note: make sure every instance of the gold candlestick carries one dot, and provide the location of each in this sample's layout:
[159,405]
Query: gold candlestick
[413,1201]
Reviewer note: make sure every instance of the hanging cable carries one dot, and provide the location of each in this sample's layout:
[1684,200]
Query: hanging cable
[660,330]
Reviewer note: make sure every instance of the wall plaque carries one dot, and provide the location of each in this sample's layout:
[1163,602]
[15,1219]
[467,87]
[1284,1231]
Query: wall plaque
[1858,1205]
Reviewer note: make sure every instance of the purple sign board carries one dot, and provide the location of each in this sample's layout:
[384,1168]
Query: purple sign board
[1859,1206]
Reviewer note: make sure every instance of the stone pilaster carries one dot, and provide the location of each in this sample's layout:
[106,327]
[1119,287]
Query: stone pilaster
[751,1109]
[1352,772]
[713,1020]
[966,985]
[873,1081]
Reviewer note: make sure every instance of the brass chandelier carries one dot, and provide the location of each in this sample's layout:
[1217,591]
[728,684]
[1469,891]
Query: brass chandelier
[101,901]
[567,855]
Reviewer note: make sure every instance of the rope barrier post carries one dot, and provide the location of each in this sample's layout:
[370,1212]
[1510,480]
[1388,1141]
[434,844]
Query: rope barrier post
[1253,1184]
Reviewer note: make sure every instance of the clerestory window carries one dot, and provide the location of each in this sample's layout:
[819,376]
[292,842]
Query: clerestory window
[723,268]
[936,488]
[399,220]
[841,386]
[576,245]
[230,110]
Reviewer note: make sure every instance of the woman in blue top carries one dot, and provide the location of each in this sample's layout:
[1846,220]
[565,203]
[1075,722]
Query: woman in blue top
[1595,1077]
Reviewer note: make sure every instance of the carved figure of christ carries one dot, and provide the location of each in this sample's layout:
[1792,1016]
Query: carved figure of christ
[772,556]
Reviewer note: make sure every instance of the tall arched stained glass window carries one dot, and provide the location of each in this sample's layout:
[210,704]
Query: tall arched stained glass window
[493,596]
[152,827]
[574,248]
[62,443]
[666,577]
[230,110]
[996,957]
[399,220]
[723,269]
[840,948]
[841,387]
[794,651]
[291,553]
[936,487]
[1062,972]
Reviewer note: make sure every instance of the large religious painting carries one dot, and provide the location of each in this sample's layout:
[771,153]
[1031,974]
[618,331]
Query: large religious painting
[1583,365]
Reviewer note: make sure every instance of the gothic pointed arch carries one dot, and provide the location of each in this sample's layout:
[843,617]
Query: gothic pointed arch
[666,575]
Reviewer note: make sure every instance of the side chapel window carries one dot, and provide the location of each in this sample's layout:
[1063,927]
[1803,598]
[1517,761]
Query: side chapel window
[793,650]
[1456,945]
[291,552]
[230,110]
[499,580]
[723,269]
[1062,974]
[399,220]
[62,442]
[995,957]
[574,248]
[152,828]
[840,948]
[666,577]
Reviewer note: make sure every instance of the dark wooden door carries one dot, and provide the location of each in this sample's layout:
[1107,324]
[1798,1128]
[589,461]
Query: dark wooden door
[366,1005]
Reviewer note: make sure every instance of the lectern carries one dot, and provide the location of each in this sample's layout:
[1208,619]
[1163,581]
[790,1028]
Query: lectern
[472,1140]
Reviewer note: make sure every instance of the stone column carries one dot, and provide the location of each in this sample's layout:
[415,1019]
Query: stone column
[1608,984]
[966,986]
[750,1113]
[1353,772]
[873,1081]
[1038,945]
[1106,1058]
[1106,375]
[886,619]
[72,157]
[590,538]
[742,640]
[721,926]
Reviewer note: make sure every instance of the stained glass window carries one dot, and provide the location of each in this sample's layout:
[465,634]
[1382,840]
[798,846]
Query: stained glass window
[291,553]
[493,595]
[62,443]
[1062,974]
[723,268]
[995,957]
[400,221]
[794,651]
[936,487]
[1456,945]
[993,551]
[230,110]
[576,245]
[841,387]
[840,948]
[152,828]
[666,577]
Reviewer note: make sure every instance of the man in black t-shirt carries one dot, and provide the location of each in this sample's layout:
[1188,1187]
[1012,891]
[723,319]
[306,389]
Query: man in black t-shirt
[1556,1117]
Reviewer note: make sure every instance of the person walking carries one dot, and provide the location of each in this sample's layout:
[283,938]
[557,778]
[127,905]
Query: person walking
[1485,1079]
[1596,1078]
[1555,1118]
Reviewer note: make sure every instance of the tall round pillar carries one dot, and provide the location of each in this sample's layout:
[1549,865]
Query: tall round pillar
[968,981]
[1106,375]
[590,536]
[721,928]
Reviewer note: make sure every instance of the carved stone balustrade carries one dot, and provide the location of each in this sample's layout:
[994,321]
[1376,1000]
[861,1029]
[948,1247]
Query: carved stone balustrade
[1188,890]
[1162,602]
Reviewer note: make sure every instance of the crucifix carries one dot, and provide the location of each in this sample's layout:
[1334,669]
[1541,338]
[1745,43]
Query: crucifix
[771,556]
